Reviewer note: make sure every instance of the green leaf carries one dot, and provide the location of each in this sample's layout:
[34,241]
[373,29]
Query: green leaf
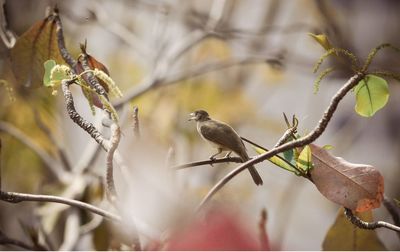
[372,94]
[304,159]
[321,39]
[48,66]
[327,147]
[289,155]
[276,160]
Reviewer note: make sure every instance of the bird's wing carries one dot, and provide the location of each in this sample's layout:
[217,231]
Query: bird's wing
[224,135]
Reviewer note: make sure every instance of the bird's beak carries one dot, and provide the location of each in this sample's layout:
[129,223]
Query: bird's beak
[193,117]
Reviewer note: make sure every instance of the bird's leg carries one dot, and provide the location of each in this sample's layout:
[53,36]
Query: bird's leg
[228,154]
[216,154]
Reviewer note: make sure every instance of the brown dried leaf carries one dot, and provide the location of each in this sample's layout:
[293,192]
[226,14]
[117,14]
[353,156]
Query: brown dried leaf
[32,49]
[356,186]
[343,235]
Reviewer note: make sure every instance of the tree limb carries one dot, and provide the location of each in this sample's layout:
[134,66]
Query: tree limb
[368,225]
[312,136]
[14,197]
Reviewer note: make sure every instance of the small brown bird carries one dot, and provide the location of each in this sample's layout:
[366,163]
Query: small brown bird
[223,137]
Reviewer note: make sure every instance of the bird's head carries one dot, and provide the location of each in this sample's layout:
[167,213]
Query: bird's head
[199,116]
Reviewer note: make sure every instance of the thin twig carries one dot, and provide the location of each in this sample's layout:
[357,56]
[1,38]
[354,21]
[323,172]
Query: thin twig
[368,225]
[51,163]
[14,197]
[61,43]
[312,136]
[208,162]
[135,123]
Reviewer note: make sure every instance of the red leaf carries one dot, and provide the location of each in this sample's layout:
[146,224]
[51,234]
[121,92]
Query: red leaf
[32,49]
[356,186]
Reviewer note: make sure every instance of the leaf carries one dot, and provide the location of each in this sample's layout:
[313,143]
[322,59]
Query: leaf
[289,155]
[304,160]
[48,66]
[321,39]
[358,187]
[343,235]
[32,49]
[276,160]
[372,94]
[327,147]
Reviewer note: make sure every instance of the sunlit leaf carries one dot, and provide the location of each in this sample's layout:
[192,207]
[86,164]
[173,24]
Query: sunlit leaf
[48,66]
[343,235]
[276,160]
[32,49]
[372,94]
[358,187]
[321,39]
[304,161]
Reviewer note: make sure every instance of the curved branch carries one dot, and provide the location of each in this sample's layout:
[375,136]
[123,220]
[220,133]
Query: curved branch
[50,162]
[77,118]
[113,144]
[312,136]
[368,225]
[14,197]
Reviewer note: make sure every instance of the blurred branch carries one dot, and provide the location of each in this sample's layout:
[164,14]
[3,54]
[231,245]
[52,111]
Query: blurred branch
[152,82]
[4,240]
[71,234]
[7,36]
[51,163]
[368,225]
[91,225]
[262,227]
[135,123]
[108,22]
[309,138]
[14,197]
[50,135]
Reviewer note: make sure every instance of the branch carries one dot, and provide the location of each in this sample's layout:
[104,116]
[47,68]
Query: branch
[61,43]
[14,197]
[135,123]
[61,153]
[4,240]
[312,136]
[152,82]
[113,144]
[51,163]
[77,118]
[208,162]
[7,36]
[368,225]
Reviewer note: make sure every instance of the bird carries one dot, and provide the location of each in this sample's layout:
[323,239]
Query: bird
[224,138]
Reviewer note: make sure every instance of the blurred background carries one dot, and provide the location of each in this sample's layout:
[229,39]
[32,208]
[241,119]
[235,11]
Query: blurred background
[245,62]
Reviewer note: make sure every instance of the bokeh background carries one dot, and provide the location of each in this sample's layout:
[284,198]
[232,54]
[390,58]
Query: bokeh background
[256,65]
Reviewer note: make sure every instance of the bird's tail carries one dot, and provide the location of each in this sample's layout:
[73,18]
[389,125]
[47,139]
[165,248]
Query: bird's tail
[256,177]
[253,172]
